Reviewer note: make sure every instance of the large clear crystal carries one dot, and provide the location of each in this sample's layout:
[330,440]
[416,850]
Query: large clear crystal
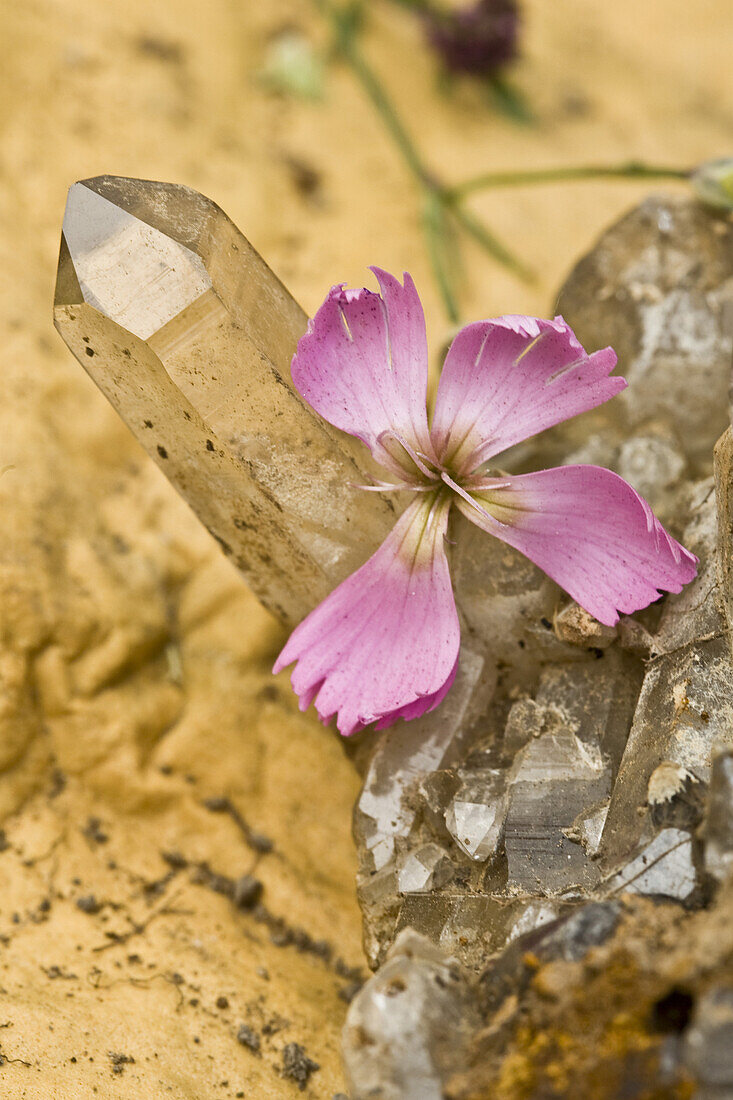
[190,335]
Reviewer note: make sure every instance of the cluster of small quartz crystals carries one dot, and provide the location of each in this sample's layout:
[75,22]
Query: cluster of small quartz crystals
[574,764]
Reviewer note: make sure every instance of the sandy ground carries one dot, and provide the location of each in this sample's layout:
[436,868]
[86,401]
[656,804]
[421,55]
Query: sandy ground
[134,666]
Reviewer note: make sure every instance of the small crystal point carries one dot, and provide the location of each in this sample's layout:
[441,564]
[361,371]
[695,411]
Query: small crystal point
[475,817]
[190,336]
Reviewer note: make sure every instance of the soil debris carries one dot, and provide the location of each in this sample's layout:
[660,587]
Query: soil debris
[297,1066]
[249,1038]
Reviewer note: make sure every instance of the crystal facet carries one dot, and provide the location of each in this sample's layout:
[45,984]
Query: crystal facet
[566,770]
[664,868]
[475,816]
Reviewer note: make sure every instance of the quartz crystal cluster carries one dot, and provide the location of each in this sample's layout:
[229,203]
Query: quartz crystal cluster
[550,851]
[581,766]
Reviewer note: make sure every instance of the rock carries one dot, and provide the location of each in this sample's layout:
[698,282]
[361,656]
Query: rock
[655,466]
[695,614]
[718,832]
[576,626]
[567,938]
[658,287]
[249,1038]
[247,891]
[685,709]
[297,1066]
[708,1043]
[407,1029]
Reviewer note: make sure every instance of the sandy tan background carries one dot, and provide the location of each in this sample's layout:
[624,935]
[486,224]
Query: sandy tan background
[134,666]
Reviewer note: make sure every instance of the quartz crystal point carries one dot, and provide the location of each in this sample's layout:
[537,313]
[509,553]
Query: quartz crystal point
[189,334]
[475,816]
[421,871]
[406,1030]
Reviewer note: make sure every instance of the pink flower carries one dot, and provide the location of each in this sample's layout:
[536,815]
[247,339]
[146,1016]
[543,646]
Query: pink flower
[384,644]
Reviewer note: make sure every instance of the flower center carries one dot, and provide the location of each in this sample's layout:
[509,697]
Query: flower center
[421,471]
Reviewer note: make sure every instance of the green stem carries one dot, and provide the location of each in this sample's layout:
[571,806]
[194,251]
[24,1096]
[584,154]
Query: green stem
[491,244]
[376,93]
[438,198]
[437,240]
[630,170]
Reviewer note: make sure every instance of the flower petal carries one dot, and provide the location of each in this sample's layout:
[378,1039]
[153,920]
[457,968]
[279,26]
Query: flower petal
[384,644]
[363,365]
[507,379]
[589,531]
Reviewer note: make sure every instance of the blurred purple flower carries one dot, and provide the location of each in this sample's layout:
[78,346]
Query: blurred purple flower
[478,39]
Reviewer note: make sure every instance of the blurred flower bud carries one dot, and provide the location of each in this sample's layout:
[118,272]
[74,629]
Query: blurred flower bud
[293,67]
[478,39]
[713,183]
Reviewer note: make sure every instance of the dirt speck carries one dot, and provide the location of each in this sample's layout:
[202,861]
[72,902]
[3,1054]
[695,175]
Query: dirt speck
[297,1066]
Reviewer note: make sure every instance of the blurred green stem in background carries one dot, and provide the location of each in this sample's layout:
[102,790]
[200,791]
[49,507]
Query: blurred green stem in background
[443,210]
[629,170]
